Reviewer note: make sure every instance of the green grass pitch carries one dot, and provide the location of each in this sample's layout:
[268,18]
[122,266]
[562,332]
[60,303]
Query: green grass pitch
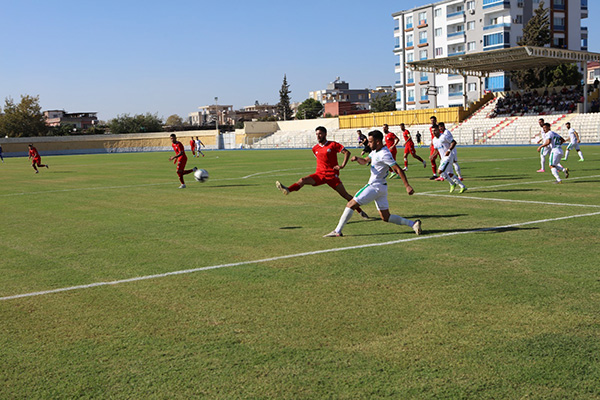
[500,297]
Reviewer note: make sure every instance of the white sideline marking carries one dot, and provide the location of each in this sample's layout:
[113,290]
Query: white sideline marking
[310,253]
[547,203]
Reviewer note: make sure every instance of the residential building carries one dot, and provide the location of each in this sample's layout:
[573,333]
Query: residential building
[456,27]
[339,90]
[209,114]
[80,120]
[593,72]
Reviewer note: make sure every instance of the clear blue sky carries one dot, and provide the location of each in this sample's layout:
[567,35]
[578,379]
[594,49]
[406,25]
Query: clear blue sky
[117,57]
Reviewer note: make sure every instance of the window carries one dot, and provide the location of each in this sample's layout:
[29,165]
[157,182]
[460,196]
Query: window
[496,39]
[437,12]
[518,19]
[460,28]
[409,40]
[471,5]
[410,77]
[439,51]
[422,18]
[438,32]
[423,55]
[494,21]
[471,46]
[397,42]
[559,23]
[470,25]
[424,94]
[411,94]
[440,90]
[422,37]
[409,22]
[423,77]
[471,87]
[410,57]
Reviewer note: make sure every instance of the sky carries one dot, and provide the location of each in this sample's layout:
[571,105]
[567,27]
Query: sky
[136,57]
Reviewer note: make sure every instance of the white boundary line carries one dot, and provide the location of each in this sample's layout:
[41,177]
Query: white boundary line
[310,253]
[547,203]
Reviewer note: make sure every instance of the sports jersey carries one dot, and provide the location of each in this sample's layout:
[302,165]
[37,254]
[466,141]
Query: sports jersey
[192,144]
[442,144]
[178,147]
[198,144]
[390,139]
[407,138]
[555,140]
[34,153]
[381,161]
[544,136]
[572,137]
[326,155]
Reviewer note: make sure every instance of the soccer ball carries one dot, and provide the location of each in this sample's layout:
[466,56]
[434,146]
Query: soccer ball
[201,175]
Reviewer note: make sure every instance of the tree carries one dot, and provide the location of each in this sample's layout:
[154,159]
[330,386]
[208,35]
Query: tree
[284,110]
[384,102]
[139,123]
[174,120]
[309,109]
[23,119]
[535,33]
[566,75]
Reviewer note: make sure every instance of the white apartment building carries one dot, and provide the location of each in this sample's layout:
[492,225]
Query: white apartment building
[455,27]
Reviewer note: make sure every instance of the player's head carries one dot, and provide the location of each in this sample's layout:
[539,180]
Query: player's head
[568,125]
[321,132]
[376,139]
[436,130]
[359,132]
[385,128]
[30,145]
[402,126]
[442,126]
[173,137]
[541,122]
[433,120]
[546,127]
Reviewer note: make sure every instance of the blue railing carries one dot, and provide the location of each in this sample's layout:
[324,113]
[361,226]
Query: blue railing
[396,28]
[397,64]
[422,41]
[455,94]
[424,79]
[559,28]
[411,99]
[410,44]
[410,80]
[453,34]
[495,3]
[495,26]
[408,26]
[458,53]
[456,14]
[559,7]
[423,98]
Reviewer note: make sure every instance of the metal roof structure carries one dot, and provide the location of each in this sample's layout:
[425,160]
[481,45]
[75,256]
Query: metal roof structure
[503,60]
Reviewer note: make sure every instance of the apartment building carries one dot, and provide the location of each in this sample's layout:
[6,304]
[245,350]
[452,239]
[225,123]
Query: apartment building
[456,27]
[80,120]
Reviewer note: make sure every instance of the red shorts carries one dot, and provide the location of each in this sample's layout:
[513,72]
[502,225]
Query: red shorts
[36,161]
[409,149]
[331,179]
[394,151]
[181,161]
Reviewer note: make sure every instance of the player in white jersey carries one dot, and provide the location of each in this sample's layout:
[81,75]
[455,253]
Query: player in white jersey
[544,151]
[198,144]
[573,142]
[554,142]
[381,161]
[444,145]
[454,155]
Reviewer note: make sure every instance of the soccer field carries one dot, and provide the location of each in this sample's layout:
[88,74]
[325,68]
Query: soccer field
[115,284]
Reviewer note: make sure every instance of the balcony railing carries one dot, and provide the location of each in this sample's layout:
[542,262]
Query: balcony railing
[458,53]
[455,14]
[455,94]
[408,26]
[454,34]
[410,44]
[496,26]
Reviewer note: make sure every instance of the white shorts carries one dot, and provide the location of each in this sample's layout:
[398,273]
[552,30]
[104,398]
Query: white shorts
[545,151]
[447,161]
[555,156]
[373,192]
[573,146]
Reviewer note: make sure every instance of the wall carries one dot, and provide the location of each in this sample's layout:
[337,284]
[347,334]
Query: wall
[410,117]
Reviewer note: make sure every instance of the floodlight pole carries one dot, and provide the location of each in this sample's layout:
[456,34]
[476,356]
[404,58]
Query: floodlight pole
[217,114]
[585,84]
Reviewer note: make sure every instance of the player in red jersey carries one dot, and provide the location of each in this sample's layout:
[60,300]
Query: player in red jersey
[36,159]
[193,146]
[327,168]
[409,148]
[180,160]
[433,155]
[391,140]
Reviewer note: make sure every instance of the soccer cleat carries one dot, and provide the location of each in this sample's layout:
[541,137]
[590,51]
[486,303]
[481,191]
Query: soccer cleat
[563,159]
[364,215]
[334,234]
[417,227]
[462,189]
[424,164]
[433,177]
[439,179]
[404,169]
[195,169]
[281,187]
[557,182]
[541,170]
[452,187]
[392,175]
[37,172]
[580,160]
[47,166]
[566,173]
[182,186]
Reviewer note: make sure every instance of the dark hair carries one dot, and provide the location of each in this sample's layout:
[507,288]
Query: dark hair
[547,124]
[541,119]
[433,117]
[568,123]
[173,135]
[377,135]
[359,131]
[442,124]
[321,128]
[435,126]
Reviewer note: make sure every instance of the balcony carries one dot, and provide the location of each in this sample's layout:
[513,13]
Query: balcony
[458,53]
[496,26]
[558,7]
[410,44]
[495,5]
[559,28]
[455,17]
[455,94]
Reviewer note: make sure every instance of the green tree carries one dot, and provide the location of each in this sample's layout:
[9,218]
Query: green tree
[174,120]
[535,33]
[139,123]
[566,75]
[62,130]
[309,109]
[284,110]
[23,119]
[384,102]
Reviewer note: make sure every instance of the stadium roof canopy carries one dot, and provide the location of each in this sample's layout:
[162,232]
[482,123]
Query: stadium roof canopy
[516,58]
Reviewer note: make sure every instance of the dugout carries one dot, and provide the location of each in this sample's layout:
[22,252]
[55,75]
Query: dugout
[482,64]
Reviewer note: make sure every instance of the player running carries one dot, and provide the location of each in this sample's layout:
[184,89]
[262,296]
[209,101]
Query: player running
[327,168]
[199,144]
[36,159]
[545,150]
[381,161]
[444,147]
[432,153]
[457,172]
[573,143]
[180,160]
[193,146]
[554,142]
[391,141]
[409,148]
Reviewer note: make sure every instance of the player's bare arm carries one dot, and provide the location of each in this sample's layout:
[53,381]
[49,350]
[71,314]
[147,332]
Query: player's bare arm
[360,160]
[347,155]
[546,143]
[452,146]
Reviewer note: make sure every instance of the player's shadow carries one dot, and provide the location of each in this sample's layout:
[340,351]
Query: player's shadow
[479,230]
[502,177]
[228,186]
[507,190]
[291,227]
[435,216]
[582,181]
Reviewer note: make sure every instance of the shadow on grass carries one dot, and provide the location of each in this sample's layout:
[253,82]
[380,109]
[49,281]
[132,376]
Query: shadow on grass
[428,232]
[581,181]
[506,190]
[502,177]
[291,227]
[228,186]
[413,217]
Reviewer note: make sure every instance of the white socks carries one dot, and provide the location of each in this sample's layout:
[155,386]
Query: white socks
[346,215]
[398,220]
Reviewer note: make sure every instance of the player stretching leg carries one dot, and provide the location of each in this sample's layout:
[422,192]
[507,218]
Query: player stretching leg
[180,160]
[444,146]
[36,159]
[198,145]
[432,153]
[409,148]
[327,168]
[573,142]
[554,142]
[376,189]
[449,139]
